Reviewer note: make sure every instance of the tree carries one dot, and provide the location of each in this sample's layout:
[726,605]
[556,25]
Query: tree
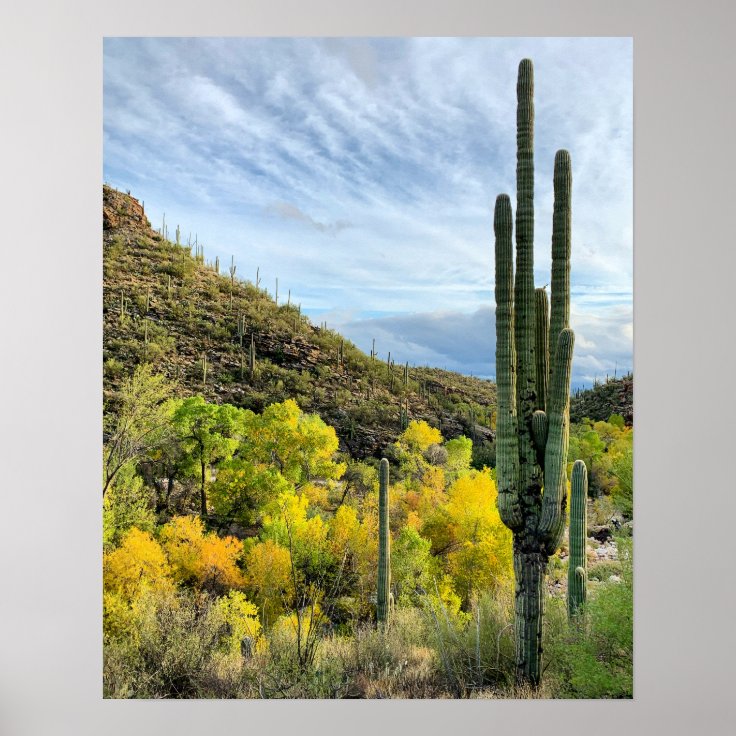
[242,488]
[268,578]
[300,446]
[139,562]
[205,560]
[411,569]
[142,422]
[241,618]
[207,432]
[468,532]
[459,456]
[127,504]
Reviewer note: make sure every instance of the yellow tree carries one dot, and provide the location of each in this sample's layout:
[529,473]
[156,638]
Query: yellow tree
[467,531]
[203,560]
[268,579]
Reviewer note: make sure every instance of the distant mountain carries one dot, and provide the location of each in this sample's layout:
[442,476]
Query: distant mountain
[164,304]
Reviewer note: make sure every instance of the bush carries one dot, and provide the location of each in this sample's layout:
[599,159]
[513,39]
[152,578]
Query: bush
[595,658]
[603,570]
[474,651]
[179,647]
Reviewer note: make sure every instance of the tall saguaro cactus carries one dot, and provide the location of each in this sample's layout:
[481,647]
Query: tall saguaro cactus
[577,575]
[384,547]
[533,363]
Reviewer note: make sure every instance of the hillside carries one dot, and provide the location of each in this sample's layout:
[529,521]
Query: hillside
[615,396]
[163,303]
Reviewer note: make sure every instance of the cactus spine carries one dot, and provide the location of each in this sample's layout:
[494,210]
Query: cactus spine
[577,575]
[384,547]
[532,437]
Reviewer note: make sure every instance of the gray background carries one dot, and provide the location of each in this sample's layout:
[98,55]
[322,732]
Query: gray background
[51,374]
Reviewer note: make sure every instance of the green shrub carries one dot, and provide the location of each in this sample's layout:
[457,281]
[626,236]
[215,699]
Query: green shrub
[603,570]
[595,659]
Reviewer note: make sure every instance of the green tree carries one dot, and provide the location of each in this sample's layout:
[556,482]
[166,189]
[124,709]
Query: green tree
[300,446]
[411,566]
[142,422]
[127,504]
[208,433]
[242,488]
[459,456]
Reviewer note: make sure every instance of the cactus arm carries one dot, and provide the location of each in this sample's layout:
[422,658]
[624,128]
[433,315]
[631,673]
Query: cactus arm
[507,448]
[555,455]
[541,313]
[577,575]
[524,281]
[384,547]
[540,428]
[561,245]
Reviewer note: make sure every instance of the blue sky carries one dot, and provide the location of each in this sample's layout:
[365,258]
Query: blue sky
[362,173]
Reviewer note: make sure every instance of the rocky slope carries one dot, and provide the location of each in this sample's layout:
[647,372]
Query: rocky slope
[164,304]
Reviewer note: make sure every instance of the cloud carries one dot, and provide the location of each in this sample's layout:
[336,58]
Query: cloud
[467,342]
[292,212]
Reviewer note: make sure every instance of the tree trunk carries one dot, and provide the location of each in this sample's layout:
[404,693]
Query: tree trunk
[530,570]
[202,493]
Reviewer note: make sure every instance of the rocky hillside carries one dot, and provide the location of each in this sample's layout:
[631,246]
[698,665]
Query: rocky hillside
[615,396]
[164,304]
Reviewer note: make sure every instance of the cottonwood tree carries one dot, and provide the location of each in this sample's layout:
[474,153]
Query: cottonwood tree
[207,433]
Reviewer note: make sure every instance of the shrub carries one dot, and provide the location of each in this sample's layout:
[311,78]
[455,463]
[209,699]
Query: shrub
[179,647]
[603,570]
[595,659]
[474,651]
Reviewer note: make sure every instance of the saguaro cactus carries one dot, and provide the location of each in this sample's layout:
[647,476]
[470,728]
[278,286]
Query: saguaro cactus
[533,423]
[203,365]
[577,574]
[384,547]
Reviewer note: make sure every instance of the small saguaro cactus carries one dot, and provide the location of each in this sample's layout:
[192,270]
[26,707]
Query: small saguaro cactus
[533,364]
[577,574]
[203,364]
[383,598]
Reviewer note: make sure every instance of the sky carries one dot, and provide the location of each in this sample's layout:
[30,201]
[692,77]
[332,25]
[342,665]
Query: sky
[362,173]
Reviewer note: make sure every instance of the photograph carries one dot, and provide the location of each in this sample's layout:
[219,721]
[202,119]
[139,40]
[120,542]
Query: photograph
[368,367]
